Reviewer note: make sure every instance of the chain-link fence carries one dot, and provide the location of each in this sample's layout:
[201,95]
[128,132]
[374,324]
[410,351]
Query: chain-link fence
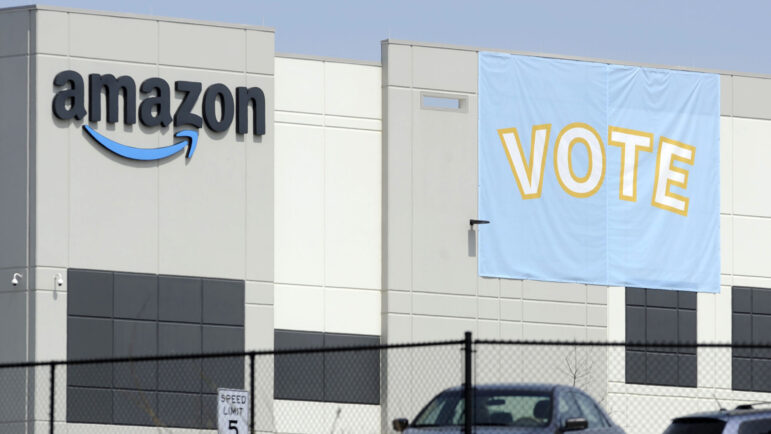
[636,388]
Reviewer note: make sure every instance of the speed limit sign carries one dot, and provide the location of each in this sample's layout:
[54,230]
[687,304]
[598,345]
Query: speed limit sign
[232,411]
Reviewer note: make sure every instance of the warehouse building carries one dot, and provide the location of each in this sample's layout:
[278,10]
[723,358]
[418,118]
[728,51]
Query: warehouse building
[292,201]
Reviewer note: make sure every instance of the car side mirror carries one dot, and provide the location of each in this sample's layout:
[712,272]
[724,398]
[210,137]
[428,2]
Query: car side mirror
[575,424]
[400,424]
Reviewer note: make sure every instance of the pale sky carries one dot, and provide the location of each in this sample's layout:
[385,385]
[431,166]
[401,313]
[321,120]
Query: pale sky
[730,35]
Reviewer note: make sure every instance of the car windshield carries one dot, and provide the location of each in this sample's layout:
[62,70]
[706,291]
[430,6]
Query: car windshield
[696,425]
[502,407]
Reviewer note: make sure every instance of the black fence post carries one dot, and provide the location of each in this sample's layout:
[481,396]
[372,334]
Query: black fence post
[52,398]
[468,388]
[251,392]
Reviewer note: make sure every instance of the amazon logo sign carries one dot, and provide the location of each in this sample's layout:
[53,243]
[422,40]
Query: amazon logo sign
[155,109]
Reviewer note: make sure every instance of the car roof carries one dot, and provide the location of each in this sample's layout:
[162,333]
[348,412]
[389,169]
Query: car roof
[529,387]
[724,415]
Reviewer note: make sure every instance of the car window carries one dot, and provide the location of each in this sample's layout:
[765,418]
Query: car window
[491,408]
[757,426]
[696,426]
[590,411]
[568,409]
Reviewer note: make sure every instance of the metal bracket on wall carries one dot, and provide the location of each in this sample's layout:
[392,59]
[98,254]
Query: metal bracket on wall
[473,222]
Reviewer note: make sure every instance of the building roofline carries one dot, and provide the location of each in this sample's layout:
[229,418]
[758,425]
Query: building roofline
[578,58]
[140,17]
[328,59]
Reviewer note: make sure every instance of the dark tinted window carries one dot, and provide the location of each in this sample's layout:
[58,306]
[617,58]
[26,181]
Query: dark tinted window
[592,414]
[661,316]
[492,408]
[696,426]
[758,426]
[751,321]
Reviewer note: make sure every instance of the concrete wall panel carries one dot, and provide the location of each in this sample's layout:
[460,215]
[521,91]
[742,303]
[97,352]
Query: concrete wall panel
[49,40]
[752,236]
[299,85]
[443,143]
[14,32]
[352,208]
[299,205]
[353,311]
[97,37]
[13,155]
[260,52]
[352,90]
[180,44]
[444,69]
[750,96]
[751,157]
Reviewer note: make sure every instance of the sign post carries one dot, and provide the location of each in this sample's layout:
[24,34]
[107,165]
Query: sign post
[232,411]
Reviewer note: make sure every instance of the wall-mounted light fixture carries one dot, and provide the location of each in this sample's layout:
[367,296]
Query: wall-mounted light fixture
[16,278]
[473,222]
[58,279]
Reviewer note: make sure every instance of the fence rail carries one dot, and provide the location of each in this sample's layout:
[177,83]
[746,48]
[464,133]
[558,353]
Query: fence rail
[640,386]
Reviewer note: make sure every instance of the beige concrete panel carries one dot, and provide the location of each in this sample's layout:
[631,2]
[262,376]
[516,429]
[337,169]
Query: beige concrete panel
[352,189]
[705,317]
[511,330]
[299,85]
[260,52]
[616,314]
[52,172]
[96,36]
[397,189]
[258,293]
[299,308]
[299,205]
[50,27]
[397,65]
[488,287]
[204,236]
[752,157]
[397,329]
[554,291]
[444,305]
[427,328]
[553,332]
[511,310]
[750,96]
[13,157]
[726,95]
[511,288]
[355,123]
[596,316]
[595,334]
[596,294]
[113,201]
[488,330]
[444,69]
[14,28]
[352,90]
[726,164]
[489,308]
[179,44]
[306,417]
[444,182]
[397,302]
[300,118]
[761,282]
[353,311]
[13,326]
[50,341]
[260,166]
[726,244]
[47,279]
[258,328]
[752,238]
[554,313]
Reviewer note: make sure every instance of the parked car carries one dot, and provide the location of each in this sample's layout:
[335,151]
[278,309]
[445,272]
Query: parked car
[744,419]
[514,408]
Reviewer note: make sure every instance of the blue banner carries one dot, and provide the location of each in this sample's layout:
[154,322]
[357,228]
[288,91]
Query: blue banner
[597,173]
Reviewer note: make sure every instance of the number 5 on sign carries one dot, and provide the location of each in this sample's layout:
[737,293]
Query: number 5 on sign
[232,411]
